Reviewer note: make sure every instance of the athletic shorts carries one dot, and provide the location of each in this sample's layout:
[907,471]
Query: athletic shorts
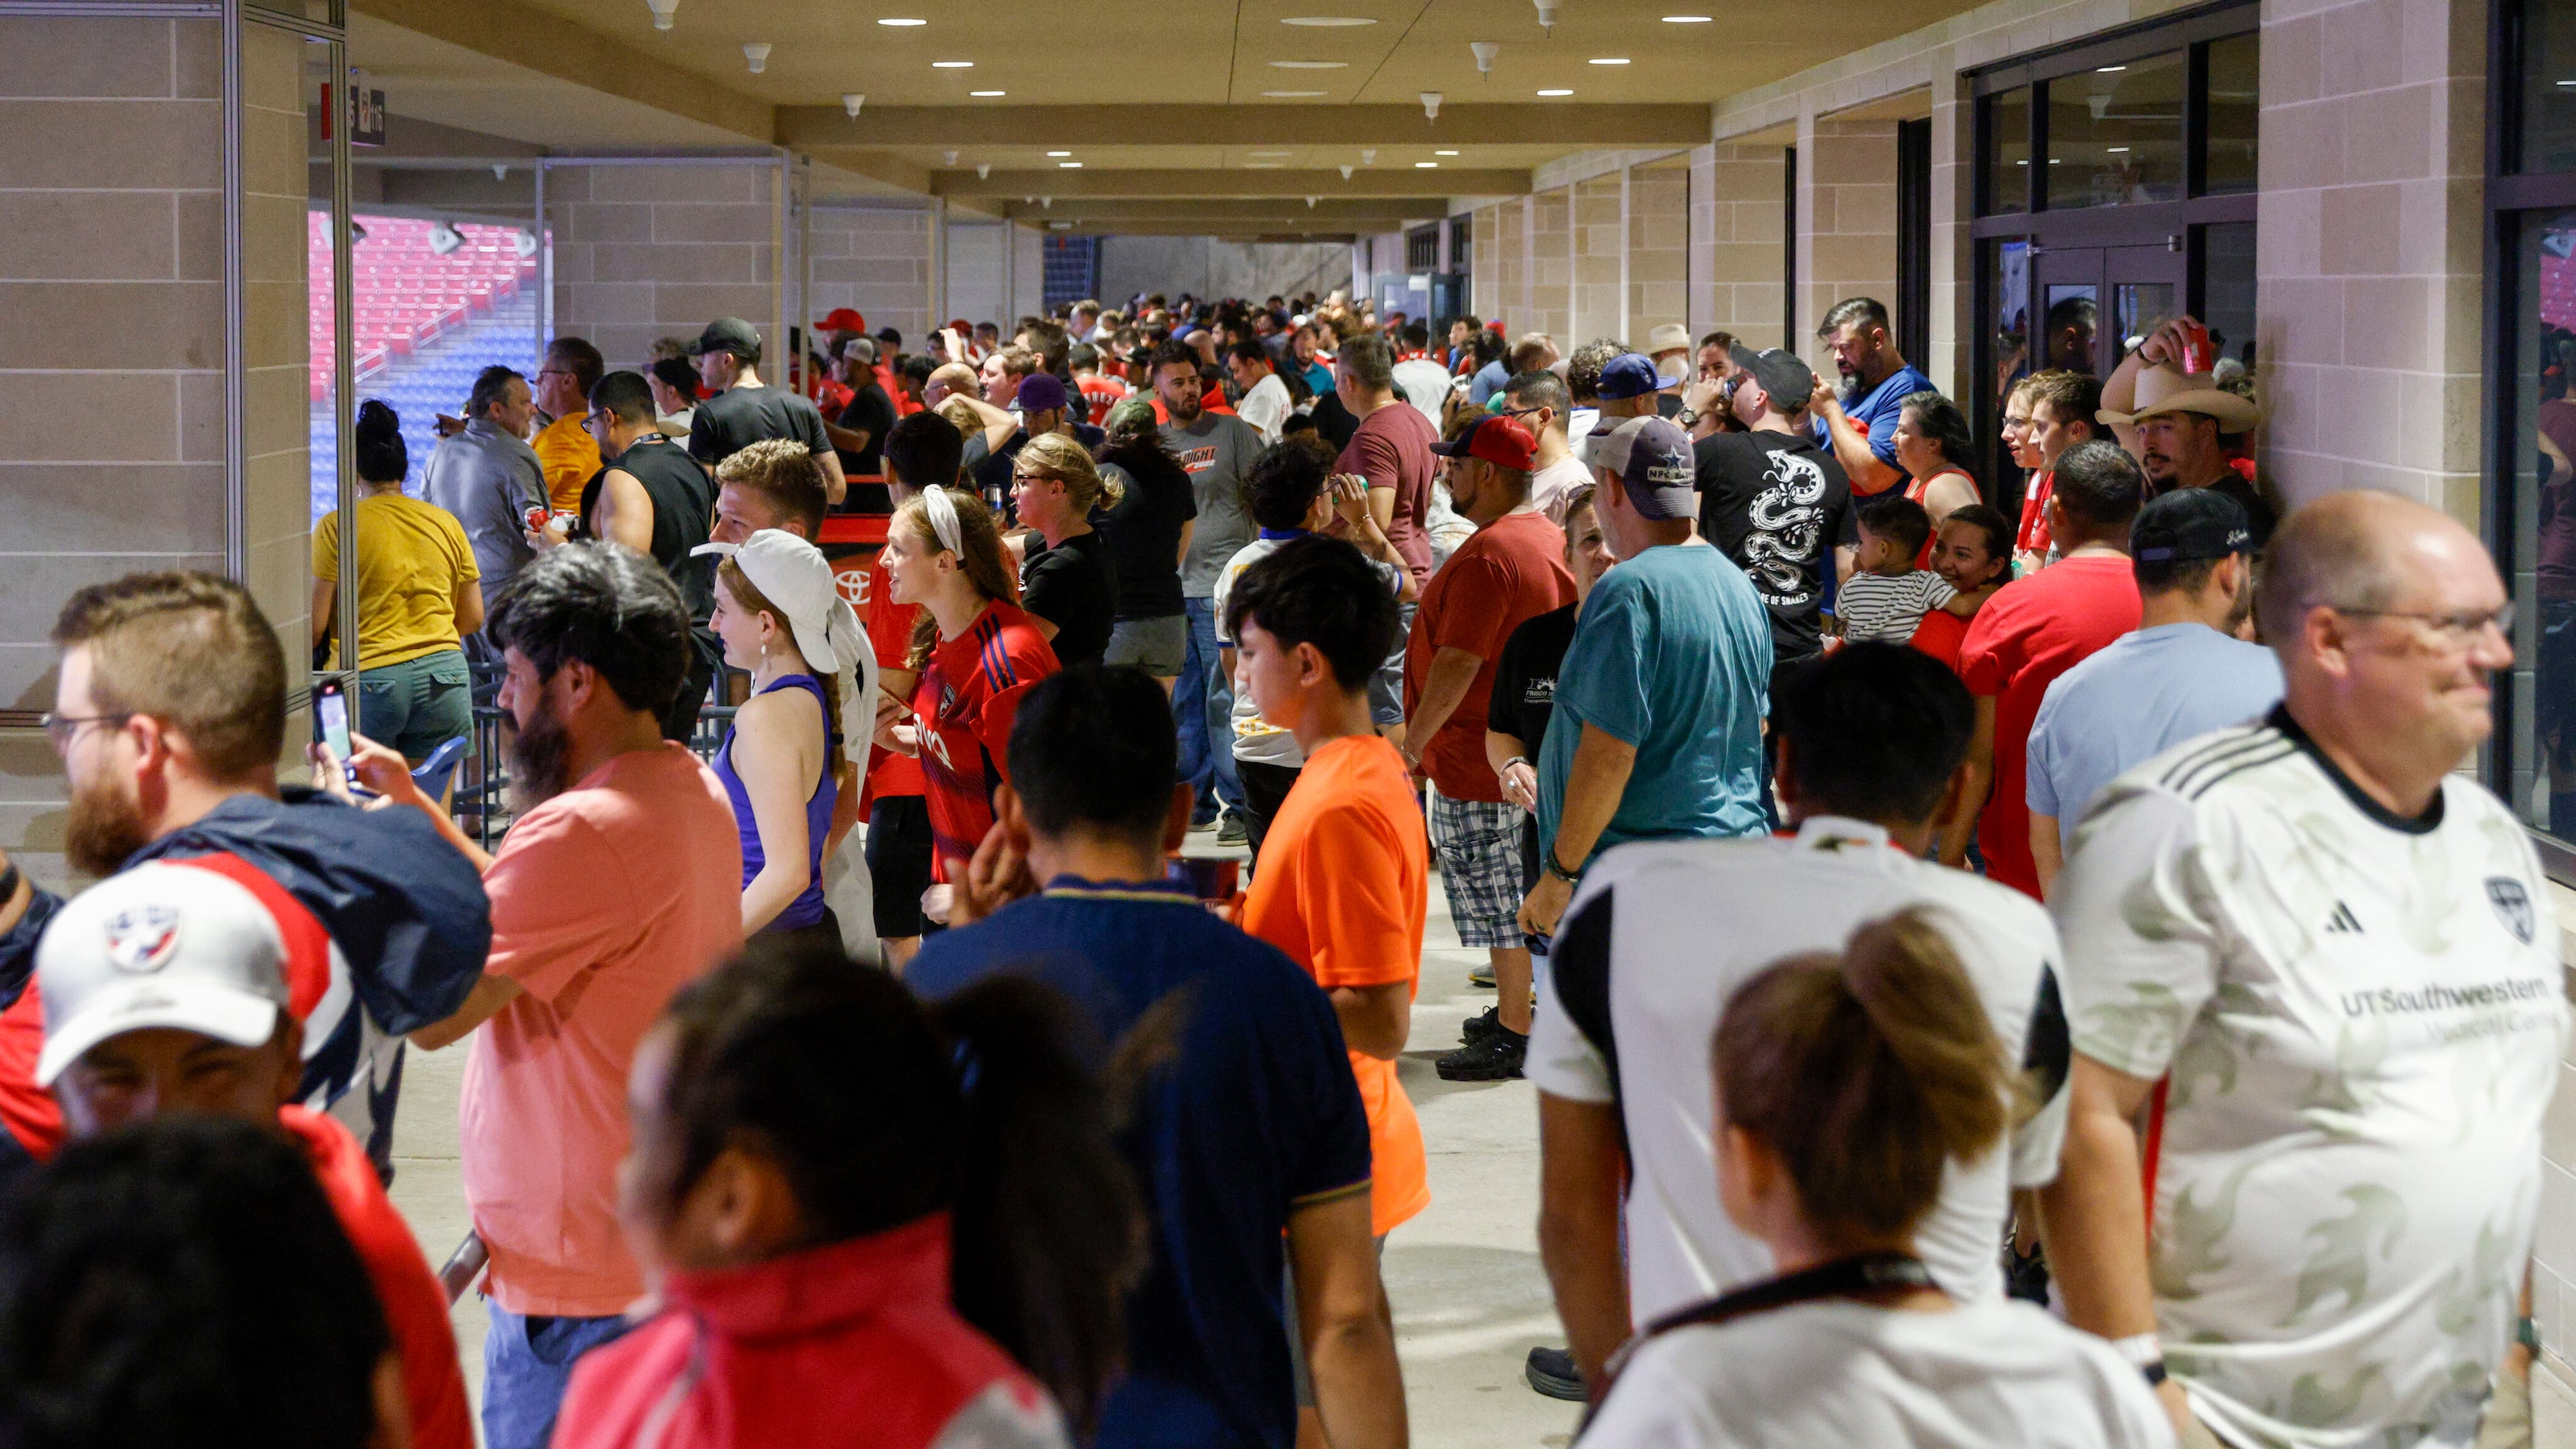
[898,862]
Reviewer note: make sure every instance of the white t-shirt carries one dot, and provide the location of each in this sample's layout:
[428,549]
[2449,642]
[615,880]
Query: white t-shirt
[1551,489]
[1835,1374]
[1687,922]
[2363,1018]
[1255,738]
[1265,407]
[1886,607]
[1425,384]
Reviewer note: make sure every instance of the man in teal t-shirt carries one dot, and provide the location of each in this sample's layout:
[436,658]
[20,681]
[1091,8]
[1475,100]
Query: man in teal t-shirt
[1658,725]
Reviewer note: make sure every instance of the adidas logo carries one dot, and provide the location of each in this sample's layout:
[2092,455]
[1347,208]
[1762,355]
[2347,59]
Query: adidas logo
[2343,921]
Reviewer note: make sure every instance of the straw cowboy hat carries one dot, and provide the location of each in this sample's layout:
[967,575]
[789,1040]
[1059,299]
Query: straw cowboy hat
[2163,388]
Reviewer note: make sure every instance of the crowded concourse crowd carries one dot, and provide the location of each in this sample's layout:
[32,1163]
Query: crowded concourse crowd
[2003,959]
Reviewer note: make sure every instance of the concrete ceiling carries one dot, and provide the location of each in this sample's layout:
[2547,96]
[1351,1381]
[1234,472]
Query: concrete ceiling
[1154,100]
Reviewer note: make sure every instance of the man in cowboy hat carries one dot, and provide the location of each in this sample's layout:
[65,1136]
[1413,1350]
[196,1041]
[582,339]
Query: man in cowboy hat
[1669,348]
[2174,421]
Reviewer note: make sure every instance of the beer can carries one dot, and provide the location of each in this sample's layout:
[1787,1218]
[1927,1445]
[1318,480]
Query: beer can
[2198,353]
[536,516]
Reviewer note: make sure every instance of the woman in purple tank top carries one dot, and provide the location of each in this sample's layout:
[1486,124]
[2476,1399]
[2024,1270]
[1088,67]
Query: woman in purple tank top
[781,617]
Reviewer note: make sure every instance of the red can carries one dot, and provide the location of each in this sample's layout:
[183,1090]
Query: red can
[537,515]
[2198,353]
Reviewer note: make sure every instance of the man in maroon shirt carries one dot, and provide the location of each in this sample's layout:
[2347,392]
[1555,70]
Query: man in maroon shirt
[1392,450]
[1511,570]
[2035,629]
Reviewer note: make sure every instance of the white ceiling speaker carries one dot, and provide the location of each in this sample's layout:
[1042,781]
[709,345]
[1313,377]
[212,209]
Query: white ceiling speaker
[500,172]
[1431,105]
[1346,171]
[1047,202]
[444,238]
[851,101]
[983,170]
[1310,203]
[948,158]
[524,242]
[1368,156]
[662,10]
[1485,50]
[1547,16]
[757,52]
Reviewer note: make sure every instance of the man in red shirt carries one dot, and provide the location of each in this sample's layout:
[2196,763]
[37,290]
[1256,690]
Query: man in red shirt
[1510,571]
[1392,450]
[2037,628]
[2061,406]
[183,987]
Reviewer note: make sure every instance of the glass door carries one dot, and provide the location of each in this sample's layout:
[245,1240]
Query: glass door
[2146,287]
[2068,285]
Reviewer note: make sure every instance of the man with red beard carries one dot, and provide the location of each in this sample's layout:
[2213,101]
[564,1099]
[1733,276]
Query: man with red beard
[170,716]
[620,883]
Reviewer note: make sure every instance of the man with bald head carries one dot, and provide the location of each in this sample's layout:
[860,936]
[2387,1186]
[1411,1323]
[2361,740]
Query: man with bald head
[2337,954]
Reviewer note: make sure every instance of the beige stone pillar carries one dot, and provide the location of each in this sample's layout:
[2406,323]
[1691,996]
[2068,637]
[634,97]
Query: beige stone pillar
[1552,266]
[1846,221]
[1658,249]
[1738,241]
[1600,246]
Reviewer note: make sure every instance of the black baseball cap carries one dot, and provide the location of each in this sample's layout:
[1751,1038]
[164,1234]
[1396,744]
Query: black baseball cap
[727,334]
[1782,373]
[2188,525]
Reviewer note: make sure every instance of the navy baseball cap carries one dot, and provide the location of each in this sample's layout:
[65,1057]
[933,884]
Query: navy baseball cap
[1653,460]
[1630,374]
[2188,525]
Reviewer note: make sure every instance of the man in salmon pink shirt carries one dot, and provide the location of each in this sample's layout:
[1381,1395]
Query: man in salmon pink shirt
[2035,629]
[1511,570]
[619,883]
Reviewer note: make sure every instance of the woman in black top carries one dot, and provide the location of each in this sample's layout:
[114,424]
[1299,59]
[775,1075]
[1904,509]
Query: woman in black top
[1069,583]
[1148,532]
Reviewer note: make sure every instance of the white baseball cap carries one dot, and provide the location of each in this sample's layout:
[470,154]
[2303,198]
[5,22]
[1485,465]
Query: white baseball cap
[794,575]
[163,944]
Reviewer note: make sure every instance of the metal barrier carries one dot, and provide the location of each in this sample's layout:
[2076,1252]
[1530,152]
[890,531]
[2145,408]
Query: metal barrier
[481,803]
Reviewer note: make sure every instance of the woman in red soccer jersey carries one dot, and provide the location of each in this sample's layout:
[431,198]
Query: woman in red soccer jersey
[977,653]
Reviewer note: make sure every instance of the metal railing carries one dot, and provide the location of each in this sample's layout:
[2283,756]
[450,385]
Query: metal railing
[481,803]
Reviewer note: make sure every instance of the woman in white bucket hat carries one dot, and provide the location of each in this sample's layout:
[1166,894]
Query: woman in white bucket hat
[780,614]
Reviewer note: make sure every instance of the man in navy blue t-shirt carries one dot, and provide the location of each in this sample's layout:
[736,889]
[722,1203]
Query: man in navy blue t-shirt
[1859,422]
[1251,1125]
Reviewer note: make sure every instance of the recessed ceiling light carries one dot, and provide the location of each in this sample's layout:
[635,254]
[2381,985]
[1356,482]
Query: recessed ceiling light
[901,20]
[1686,19]
[1059,153]
[1310,65]
[1444,153]
[1260,165]
[984,93]
[1327,22]
[1556,93]
[2117,150]
[1068,165]
[2569,85]
[1609,60]
[2108,69]
[1290,95]
[952,65]
[1426,165]
[1265,153]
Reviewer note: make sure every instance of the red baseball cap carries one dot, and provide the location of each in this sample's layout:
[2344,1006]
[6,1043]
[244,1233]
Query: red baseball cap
[1497,440]
[843,319]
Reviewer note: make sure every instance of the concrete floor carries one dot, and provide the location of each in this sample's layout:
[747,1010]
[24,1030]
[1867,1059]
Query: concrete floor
[1469,1294]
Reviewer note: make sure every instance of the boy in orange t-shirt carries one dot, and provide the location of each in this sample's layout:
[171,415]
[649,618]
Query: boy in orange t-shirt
[1344,875]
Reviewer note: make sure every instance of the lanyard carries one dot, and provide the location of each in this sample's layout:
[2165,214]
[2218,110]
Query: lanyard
[1852,1277]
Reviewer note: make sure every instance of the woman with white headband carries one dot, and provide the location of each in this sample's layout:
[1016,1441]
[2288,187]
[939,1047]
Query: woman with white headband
[977,653]
[781,616]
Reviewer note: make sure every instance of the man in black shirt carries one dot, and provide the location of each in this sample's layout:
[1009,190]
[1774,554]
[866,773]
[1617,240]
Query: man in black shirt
[858,435]
[742,410]
[653,498]
[1774,499]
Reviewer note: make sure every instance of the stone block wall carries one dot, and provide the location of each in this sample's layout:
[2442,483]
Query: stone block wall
[1658,249]
[645,252]
[1846,223]
[876,259]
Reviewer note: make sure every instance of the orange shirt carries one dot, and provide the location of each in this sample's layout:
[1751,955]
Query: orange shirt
[569,455]
[1343,893]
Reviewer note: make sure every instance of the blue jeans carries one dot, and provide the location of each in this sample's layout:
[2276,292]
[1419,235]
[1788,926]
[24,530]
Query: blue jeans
[1203,711]
[527,1363]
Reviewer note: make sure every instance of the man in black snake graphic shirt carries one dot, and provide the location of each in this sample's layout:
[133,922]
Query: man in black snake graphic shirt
[1774,499]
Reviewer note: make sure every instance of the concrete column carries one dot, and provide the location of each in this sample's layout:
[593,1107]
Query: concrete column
[1551,266]
[1740,263]
[1846,220]
[1485,269]
[1658,249]
[2367,257]
[1953,259]
[645,252]
[1600,252]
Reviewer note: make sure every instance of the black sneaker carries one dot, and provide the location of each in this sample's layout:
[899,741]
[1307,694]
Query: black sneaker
[1496,1058]
[1230,830]
[1551,1372]
[1481,1026]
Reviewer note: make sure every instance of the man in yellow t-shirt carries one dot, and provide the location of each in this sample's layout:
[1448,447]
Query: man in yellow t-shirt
[573,367]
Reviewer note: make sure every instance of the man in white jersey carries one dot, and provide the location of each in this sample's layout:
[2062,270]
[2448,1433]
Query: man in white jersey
[1871,746]
[2340,952]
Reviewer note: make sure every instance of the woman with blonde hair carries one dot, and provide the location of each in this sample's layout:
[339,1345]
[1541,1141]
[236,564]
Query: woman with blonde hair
[781,617]
[1848,1087]
[1068,579]
[975,653]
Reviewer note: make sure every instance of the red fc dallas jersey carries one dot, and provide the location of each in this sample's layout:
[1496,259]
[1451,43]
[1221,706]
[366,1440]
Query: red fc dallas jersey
[969,691]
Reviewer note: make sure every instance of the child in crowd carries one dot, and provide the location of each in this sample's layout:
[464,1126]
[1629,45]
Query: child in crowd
[853,1240]
[1887,596]
[1848,1086]
[1972,552]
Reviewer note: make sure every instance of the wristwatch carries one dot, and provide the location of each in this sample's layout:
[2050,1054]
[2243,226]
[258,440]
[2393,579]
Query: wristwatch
[1687,417]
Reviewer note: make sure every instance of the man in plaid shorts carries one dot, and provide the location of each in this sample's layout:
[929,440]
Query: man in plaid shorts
[1512,569]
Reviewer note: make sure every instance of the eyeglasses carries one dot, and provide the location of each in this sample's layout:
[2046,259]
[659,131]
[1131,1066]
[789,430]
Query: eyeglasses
[63,729]
[1033,477]
[2458,631]
[554,372]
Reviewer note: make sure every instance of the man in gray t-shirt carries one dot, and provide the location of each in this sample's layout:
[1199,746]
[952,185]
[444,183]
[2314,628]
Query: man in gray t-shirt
[1217,449]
